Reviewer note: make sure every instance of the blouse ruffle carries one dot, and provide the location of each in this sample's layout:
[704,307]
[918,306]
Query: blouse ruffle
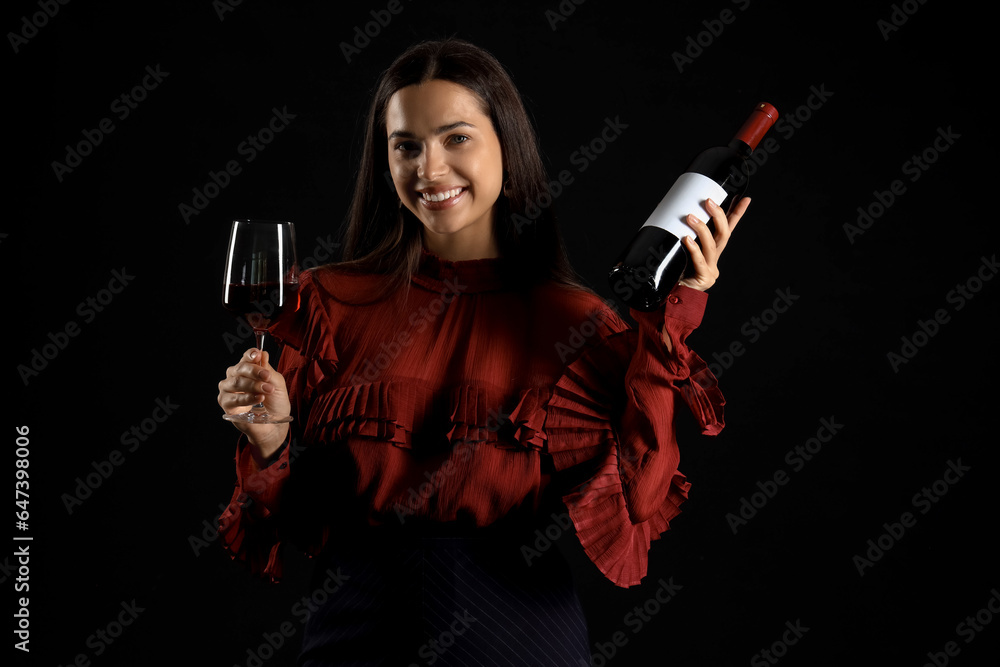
[584,423]
[610,415]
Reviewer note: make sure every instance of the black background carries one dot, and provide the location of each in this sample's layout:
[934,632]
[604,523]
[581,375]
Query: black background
[886,96]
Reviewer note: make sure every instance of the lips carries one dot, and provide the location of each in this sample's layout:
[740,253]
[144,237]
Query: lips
[441,198]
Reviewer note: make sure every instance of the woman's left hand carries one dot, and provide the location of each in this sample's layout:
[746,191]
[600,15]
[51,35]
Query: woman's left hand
[703,270]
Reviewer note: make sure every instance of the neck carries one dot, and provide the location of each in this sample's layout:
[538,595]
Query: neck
[447,246]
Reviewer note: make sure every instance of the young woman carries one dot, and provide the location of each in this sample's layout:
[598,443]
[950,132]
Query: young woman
[458,395]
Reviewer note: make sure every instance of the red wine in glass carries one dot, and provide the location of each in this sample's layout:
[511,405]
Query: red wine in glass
[262,304]
[261,283]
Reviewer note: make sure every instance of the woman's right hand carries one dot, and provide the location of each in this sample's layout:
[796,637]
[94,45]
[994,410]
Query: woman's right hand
[251,381]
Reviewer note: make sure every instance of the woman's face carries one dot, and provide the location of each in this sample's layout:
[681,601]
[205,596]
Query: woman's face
[447,165]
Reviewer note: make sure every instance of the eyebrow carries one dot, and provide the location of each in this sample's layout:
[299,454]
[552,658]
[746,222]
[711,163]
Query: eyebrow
[441,130]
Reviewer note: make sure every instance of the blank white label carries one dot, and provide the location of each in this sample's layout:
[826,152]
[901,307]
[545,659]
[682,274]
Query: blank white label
[685,197]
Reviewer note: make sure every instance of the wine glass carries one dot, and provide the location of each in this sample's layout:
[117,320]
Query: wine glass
[261,283]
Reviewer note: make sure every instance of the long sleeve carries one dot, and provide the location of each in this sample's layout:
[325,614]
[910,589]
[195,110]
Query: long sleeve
[250,527]
[615,410]
[657,384]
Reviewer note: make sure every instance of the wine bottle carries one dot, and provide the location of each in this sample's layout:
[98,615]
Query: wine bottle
[655,258]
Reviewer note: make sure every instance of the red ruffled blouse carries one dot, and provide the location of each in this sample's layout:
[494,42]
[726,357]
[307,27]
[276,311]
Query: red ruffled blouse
[462,400]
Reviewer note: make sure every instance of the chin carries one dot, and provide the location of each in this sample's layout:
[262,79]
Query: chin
[443,230]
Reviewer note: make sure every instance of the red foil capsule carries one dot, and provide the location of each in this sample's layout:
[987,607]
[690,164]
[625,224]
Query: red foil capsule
[757,125]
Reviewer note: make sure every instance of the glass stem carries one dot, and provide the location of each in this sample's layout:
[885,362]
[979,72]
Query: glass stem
[259,335]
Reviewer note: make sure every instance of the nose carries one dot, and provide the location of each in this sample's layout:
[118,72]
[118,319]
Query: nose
[433,163]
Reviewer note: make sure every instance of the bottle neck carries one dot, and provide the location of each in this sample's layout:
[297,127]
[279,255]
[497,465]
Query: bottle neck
[740,148]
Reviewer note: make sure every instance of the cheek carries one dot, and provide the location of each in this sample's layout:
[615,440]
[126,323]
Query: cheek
[401,178]
[496,168]
[489,173]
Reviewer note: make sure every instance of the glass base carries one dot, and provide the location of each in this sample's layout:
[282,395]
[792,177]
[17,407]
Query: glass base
[252,417]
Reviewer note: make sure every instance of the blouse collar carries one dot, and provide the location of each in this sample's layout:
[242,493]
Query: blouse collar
[472,275]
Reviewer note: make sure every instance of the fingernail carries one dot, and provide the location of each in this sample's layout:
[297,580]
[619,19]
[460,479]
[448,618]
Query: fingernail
[267,388]
[253,355]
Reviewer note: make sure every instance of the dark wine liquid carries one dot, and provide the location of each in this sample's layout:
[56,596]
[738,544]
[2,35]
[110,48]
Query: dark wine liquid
[262,303]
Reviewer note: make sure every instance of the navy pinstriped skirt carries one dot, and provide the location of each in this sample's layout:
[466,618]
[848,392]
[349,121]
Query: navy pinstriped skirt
[415,600]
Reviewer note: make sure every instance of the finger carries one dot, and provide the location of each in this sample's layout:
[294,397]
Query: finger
[722,225]
[231,402]
[247,377]
[707,241]
[248,370]
[229,399]
[734,216]
[697,257]
[257,357]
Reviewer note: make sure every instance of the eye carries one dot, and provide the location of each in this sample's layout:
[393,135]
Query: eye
[459,139]
[407,146]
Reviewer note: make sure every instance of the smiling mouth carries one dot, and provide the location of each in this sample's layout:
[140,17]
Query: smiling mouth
[441,196]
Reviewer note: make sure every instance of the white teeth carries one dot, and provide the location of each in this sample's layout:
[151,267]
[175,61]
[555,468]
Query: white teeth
[441,196]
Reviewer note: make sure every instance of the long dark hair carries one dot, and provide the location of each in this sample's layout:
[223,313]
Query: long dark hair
[385,238]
